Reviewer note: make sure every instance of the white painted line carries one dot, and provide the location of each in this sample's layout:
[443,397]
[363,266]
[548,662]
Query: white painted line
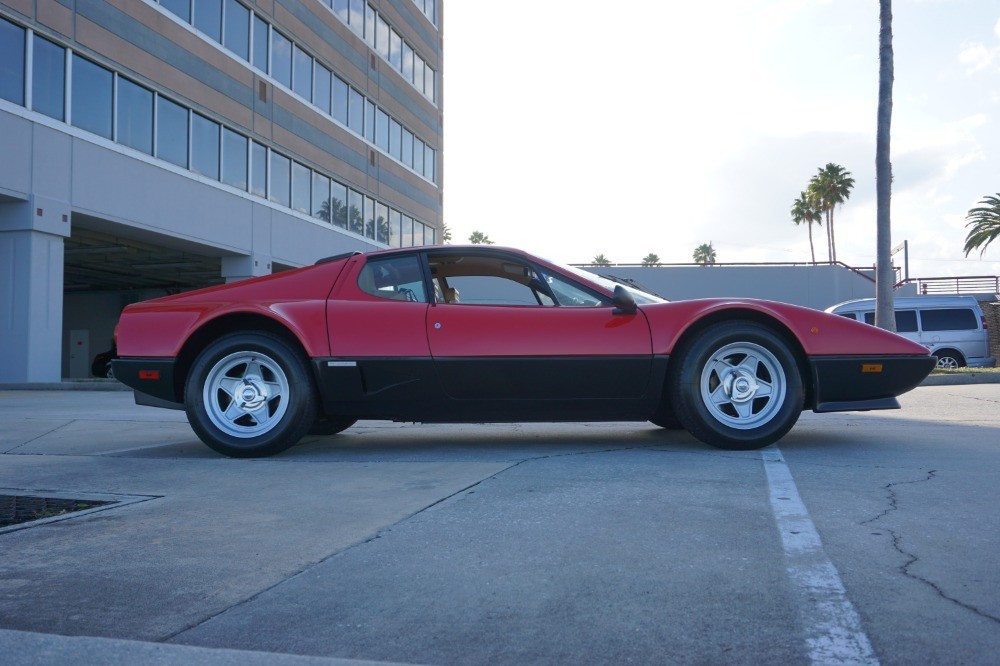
[832,627]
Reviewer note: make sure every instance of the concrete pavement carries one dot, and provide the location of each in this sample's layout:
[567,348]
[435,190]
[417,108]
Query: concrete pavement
[587,543]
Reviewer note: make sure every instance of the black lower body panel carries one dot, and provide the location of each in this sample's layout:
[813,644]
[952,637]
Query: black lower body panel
[491,390]
[861,383]
[149,376]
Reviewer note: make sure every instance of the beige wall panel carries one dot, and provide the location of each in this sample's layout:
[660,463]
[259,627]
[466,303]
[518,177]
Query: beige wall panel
[262,126]
[55,16]
[25,7]
[198,45]
[117,49]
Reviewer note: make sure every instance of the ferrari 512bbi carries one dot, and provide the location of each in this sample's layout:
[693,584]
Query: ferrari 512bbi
[486,334]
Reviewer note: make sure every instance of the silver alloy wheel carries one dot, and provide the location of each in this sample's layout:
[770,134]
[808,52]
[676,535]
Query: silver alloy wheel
[743,385]
[246,394]
[948,362]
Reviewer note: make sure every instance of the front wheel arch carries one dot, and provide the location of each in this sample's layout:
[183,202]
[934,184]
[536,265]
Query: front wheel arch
[696,329]
[737,385]
[947,352]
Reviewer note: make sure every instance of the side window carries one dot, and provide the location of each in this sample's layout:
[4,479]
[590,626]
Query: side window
[486,280]
[394,278]
[568,294]
[870,318]
[906,321]
[952,319]
[848,315]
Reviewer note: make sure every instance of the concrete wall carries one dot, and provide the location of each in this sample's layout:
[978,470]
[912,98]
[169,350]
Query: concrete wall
[816,287]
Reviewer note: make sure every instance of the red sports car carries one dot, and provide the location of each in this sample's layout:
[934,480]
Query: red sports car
[487,334]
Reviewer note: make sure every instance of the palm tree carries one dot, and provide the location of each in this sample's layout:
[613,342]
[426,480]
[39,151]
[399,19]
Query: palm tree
[985,223]
[445,235]
[884,276]
[832,185]
[600,260]
[806,209]
[651,259]
[704,254]
[479,238]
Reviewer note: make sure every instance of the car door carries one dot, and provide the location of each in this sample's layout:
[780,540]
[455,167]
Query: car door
[498,332]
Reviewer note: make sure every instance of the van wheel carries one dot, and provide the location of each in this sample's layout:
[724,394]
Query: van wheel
[949,360]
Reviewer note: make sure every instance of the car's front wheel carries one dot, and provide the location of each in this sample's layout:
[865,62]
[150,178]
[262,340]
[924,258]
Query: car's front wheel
[250,395]
[737,386]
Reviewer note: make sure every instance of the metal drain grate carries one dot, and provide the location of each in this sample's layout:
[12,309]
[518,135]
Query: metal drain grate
[17,509]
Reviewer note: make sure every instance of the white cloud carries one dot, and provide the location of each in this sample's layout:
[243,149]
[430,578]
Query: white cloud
[975,56]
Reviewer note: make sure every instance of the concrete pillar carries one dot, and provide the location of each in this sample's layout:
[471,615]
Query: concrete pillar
[31,289]
[241,268]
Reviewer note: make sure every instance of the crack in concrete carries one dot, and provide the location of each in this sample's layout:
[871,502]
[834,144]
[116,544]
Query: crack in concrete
[378,535]
[59,427]
[911,558]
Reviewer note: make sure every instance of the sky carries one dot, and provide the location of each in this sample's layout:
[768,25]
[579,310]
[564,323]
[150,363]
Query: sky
[577,127]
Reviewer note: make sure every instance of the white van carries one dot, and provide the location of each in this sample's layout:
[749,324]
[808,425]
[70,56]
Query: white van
[951,327]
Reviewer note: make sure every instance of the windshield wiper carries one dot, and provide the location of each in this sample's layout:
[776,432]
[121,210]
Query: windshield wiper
[629,282]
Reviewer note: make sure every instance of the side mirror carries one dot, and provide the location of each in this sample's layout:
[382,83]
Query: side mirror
[623,302]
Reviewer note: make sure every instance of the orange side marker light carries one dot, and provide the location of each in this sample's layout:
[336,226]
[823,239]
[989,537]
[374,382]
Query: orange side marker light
[871,367]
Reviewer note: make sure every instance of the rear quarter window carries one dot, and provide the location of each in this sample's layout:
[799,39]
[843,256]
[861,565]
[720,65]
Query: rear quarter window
[906,320]
[950,319]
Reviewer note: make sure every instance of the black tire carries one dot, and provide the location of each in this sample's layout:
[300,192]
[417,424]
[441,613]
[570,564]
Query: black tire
[737,386]
[949,360]
[331,425]
[250,395]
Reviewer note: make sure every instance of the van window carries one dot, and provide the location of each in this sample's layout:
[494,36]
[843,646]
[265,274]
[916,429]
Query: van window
[906,320]
[954,319]
[849,315]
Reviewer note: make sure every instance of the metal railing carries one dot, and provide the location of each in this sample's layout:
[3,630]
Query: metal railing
[962,284]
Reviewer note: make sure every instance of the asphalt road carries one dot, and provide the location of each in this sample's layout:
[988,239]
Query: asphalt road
[861,538]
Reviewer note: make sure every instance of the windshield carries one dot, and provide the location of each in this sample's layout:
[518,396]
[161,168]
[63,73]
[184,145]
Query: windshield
[641,297]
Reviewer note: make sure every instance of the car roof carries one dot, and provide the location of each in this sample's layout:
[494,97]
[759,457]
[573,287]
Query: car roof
[904,302]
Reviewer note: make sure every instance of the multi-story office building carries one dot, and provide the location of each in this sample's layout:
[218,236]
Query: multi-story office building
[154,146]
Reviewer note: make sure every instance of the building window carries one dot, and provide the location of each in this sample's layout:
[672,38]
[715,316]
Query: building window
[321,94]
[418,156]
[369,122]
[48,82]
[407,148]
[321,197]
[280,191]
[302,74]
[418,72]
[357,17]
[258,169]
[134,116]
[341,92]
[370,25]
[369,217]
[234,159]
[355,206]
[382,130]
[407,62]
[429,159]
[429,83]
[281,59]
[301,198]
[382,223]
[394,221]
[382,38]
[204,146]
[171,132]
[208,18]
[396,50]
[92,86]
[355,113]
[340,8]
[260,43]
[181,8]
[11,62]
[338,204]
[236,32]
[395,139]
[406,233]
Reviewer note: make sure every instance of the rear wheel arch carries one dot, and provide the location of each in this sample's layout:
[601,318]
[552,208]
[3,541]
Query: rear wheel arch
[220,326]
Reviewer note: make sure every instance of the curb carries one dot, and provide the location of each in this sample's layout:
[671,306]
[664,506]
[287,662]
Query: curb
[962,379]
[72,385]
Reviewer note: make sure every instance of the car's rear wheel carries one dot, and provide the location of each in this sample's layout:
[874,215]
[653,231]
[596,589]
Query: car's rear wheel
[250,395]
[737,386]
[949,360]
